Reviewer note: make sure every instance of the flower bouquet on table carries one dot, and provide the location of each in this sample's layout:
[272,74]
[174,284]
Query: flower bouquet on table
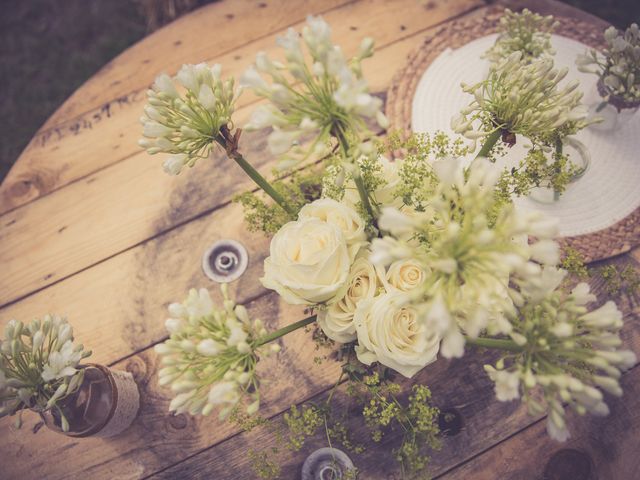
[400,262]
[40,370]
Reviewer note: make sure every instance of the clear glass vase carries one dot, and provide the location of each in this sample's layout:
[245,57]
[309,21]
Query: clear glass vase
[579,156]
[614,111]
[104,405]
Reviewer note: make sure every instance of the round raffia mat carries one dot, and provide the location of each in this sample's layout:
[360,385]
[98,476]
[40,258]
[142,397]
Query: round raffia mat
[615,239]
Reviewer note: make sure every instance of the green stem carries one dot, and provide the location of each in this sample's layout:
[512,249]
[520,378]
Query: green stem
[262,183]
[489,143]
[364,196]
[357,177]
[285,330]
[556,193]
[497,343]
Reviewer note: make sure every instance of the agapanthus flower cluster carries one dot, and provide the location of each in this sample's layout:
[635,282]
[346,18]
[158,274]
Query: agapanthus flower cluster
[39,365]
[185,114]
[562,349]
[618,66]
[525,32]
[316,95]
[469,251]
[211,355]
[523,99]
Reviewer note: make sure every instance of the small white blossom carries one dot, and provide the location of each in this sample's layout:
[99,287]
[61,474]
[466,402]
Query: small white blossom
[186,124]
[313,100]
[211,354]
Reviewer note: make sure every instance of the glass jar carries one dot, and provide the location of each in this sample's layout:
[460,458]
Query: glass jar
[614,110]
[104,405]
[579,156]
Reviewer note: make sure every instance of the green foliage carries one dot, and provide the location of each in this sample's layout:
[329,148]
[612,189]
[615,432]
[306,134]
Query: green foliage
[264,465]
[619,281]
[302,423]
[416,418]
[573,262]
[536,170]
[417,179]
[299,188]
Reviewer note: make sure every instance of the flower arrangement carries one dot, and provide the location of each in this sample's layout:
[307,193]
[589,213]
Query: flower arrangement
[400,261]
[39,366]
[522,96]
[618,68]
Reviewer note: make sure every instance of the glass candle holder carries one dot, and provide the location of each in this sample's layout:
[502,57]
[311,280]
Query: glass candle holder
[580,157]
[104,405]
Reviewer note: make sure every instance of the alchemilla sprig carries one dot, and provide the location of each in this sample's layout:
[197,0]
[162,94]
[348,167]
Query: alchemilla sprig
[39,366]
[618,66]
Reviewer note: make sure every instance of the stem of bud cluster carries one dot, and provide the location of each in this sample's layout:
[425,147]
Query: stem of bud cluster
[489,143]
[285,330]
[357,179]
[230,144]
[496,343]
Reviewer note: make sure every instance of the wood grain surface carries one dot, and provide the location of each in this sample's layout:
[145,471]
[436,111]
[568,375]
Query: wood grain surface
[91,227]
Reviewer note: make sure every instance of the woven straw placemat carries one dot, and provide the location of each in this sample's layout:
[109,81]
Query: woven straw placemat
[613,240]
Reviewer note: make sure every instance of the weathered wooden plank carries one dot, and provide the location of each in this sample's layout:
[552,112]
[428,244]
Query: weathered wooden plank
[82,136]
[157,439]
[109,132]
[217,28]
[461,385]
[133,200]
[119,306]
[600,447]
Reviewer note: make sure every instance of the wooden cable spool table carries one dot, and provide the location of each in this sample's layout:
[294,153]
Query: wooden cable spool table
[92,228]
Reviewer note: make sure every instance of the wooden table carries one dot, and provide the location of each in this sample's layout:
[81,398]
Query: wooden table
[92,228]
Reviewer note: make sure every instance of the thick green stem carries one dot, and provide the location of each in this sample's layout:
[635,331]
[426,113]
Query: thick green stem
[489,143]
[285,330]
[496,343]
[262,183]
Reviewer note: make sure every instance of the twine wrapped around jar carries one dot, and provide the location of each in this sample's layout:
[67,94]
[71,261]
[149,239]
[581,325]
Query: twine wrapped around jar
[105,405]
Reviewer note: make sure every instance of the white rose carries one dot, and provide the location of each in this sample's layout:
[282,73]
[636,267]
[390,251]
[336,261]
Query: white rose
[406,275]
[309,262]
[342,216]
[336,321]
[391,332]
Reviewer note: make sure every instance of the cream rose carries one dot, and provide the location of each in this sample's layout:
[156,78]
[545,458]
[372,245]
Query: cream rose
[391,332]
[309,262]
[342,216]
[405,275]
[336,320]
